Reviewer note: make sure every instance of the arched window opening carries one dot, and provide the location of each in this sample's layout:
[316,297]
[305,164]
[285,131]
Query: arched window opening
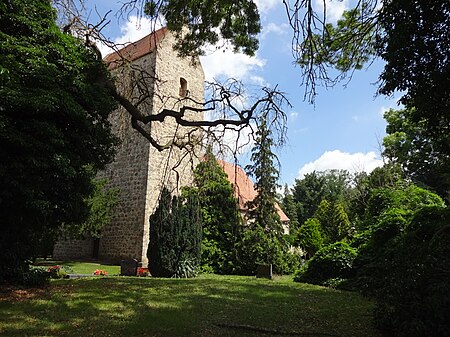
[184,92]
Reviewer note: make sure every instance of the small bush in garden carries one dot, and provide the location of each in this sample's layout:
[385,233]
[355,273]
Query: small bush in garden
[186,269]
[330,262]
[57,272]
[35,277]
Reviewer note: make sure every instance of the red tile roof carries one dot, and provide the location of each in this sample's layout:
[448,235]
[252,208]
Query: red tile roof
[244,190]
[137,49]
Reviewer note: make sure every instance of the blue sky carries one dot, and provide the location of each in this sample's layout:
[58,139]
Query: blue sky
[345,127]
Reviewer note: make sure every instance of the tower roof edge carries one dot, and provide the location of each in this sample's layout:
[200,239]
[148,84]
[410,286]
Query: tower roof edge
[135,50]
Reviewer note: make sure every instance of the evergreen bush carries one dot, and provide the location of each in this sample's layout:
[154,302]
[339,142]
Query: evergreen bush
[175,236]
[330,262]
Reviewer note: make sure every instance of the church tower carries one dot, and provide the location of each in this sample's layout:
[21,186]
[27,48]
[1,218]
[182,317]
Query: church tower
[151,75]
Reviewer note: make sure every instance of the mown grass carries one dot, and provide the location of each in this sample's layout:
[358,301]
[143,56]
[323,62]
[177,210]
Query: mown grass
[81,267]
[209,305]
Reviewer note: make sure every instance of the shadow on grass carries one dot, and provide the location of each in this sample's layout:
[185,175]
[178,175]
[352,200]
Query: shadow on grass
[206,306]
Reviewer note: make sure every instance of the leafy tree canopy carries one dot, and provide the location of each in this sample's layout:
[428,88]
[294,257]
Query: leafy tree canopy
[289,207]
[334,221]
[54,132]
[424,159]
[314,187]
[198,23]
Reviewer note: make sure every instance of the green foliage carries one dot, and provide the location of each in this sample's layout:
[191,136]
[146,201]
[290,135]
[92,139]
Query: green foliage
[186,268]
[221,221]
[53,125]
[336,45]
[175,236]
[262,247]
[26,275]
[331,262]
[334,221]
[34,277]
[198,23]
[332,185]
[411,283]
[414,47]
[263,240]
[289,207]
[389,214]
[309,237]
[100,204]
[57,272]
[403,260]
[262,209]
[407,197]
[414,44]
[387,176]
[408,144]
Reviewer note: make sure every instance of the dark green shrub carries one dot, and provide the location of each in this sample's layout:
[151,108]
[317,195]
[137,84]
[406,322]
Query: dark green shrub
[35,277]
[219,212]
[28,276]
[333,261]
[175,236]
[186,269]
[258,247]
[412,298]
[390,224]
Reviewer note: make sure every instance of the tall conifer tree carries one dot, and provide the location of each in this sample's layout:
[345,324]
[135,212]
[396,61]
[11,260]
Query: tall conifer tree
[220,216]
[265,173]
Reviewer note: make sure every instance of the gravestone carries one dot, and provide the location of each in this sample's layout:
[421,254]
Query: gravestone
[128,267]
[264,271]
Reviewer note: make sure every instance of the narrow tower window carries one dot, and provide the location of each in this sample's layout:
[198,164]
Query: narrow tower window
[183,88]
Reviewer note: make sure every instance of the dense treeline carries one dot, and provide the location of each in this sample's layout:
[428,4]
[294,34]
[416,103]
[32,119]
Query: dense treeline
[388,238]
[54,132]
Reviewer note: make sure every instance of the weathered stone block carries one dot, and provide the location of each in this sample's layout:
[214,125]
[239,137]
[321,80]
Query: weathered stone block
[128,267]
[264,271]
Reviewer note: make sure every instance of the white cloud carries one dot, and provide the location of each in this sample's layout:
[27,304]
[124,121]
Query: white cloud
[334,8]
[383,109]
[222,62]
[231,65]
[275,29]
[266,5]
[352,162]
[392,104]
[135,29]
[293,115]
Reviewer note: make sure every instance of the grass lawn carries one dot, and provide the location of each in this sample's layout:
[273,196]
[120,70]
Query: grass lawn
[81,267]
[209,305]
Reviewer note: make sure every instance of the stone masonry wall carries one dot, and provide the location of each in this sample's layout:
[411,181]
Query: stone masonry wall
[73,249]
[139,170]
[122,238]
[172,168]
